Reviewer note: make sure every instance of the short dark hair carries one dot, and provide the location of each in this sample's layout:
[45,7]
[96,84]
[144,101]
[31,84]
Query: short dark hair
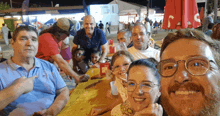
[210,25]
[150,63]
[192,34]
[94,51]
[121,53]
[78,49]
[22,28]
[3,24]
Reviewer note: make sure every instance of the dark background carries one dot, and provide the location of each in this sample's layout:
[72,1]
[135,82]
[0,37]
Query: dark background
[47,3]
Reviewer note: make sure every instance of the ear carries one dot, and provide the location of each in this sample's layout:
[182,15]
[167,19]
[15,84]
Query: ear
[12,42]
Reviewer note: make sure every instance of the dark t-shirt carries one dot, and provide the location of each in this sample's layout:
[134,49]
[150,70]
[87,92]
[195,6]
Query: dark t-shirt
[101,26]
[98,39]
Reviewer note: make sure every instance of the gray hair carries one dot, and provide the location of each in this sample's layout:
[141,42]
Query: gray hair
[127,33]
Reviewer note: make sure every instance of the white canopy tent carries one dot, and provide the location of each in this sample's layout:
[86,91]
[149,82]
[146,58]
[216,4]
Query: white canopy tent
[132,10]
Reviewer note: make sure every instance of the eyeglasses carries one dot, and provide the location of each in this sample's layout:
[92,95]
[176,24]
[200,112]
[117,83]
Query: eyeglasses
[195,66]
[145,86]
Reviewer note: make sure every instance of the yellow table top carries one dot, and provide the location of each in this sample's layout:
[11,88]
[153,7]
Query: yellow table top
[82,100]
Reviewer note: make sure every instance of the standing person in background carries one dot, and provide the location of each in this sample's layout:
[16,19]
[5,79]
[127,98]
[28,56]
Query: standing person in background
[101,25]
[49,47]
[207,20]
[108,27]
[147,25]
[4,31]
[209,31]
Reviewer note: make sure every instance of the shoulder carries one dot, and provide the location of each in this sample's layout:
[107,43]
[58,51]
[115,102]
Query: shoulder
[81,31]
[45,36]
[45,64]
[3,65]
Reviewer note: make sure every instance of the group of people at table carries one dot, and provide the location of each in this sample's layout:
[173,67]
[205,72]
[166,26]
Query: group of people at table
[182,79]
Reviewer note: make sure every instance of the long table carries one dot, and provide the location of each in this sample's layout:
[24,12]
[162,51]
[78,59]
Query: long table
[88,95]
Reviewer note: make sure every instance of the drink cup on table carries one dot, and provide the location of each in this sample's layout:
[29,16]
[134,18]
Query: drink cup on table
[114,90]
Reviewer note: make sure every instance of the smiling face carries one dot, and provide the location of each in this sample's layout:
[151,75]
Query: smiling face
[120,66]
[95,57]
[25,44]
[140,38]
[122,38]
[137,98]
[184,94]
[89,25]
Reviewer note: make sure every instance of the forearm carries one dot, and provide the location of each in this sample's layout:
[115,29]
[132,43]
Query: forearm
[9,94]
[60,101]
[63,65]
[104,54]
[117,101]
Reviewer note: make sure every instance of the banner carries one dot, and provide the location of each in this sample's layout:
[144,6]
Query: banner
[85,8]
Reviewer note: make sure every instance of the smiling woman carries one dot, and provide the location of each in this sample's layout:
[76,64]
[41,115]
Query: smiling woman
[143,92]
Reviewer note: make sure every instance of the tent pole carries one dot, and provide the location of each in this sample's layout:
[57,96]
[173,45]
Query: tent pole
[215,10]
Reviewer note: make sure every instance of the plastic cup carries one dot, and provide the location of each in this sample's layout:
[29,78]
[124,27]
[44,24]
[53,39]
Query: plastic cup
[114,90]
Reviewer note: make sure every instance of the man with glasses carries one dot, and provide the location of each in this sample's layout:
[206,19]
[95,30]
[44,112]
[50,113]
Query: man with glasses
[141,42]
[190,77]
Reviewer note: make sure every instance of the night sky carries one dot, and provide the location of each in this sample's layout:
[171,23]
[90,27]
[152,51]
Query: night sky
[47,3]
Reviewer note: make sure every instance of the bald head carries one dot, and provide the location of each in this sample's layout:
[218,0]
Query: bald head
[89,25]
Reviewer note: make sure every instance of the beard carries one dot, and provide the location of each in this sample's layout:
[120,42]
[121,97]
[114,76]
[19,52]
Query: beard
[210,107]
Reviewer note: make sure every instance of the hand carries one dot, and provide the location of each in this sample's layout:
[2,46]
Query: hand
[27,84]
[45,112]
[151,110]
[97,110]
[84,78]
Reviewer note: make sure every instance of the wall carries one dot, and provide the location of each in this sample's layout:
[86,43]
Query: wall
[105,13]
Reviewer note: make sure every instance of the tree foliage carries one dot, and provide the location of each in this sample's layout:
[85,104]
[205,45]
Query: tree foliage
[4,6]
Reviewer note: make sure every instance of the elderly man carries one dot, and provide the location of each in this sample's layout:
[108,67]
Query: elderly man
[29,84]
[90,38]
[125,36]
[141,41]
[190,77]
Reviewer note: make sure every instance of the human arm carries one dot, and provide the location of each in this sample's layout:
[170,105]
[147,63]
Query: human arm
[108,107]
[74,48]
[63,65]
[104,51]
[60,101]
[19,87]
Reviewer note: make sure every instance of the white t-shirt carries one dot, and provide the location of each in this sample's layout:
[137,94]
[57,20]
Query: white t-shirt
[141,54]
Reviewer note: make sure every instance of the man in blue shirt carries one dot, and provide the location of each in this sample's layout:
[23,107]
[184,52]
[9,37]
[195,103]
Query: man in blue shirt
[90,38]
[29,84]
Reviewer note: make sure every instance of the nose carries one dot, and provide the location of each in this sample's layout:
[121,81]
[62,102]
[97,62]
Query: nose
[29,42]
[138,90]
[181,75]
[139,36]
[122,68]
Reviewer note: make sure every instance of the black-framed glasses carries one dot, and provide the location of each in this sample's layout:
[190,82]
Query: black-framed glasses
[144,86]
[196,66]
